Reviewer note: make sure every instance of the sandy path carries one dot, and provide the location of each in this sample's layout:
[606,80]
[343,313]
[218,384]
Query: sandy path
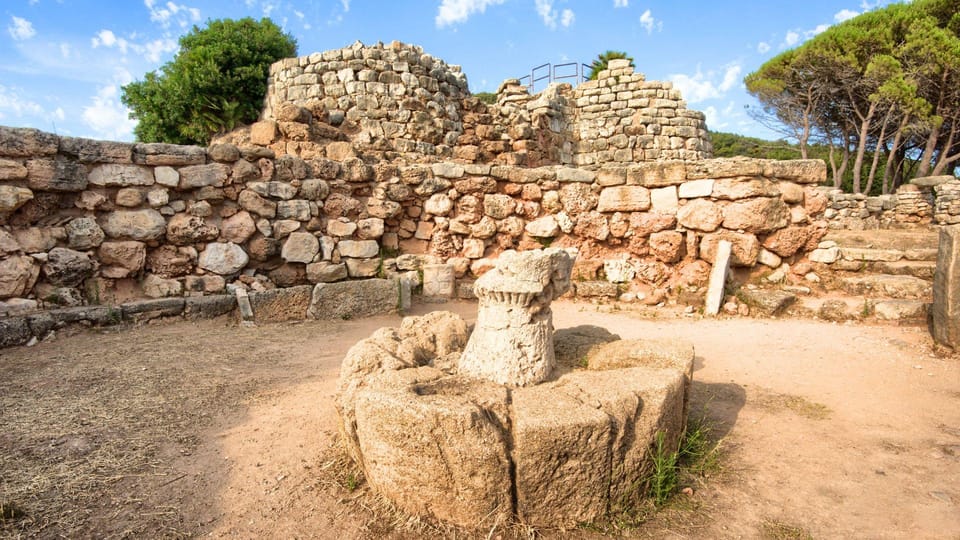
[830,430]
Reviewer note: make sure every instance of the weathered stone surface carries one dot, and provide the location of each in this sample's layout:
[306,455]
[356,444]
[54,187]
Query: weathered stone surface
[84,233]
[544,227]
[56,174]
[592,225]
[745,247]
[870,254]
[129,256]
[363,268]
[12,170]
[141,310]
[13,197]
[147,224]
[168,154]
[276,190]
[184,229]
[238,228]
[512,342]
[8,244]
[300,247]
[657,173]
[828,255]
[788,241]
[326,272]
[350,299]
[66,267]
[695,188]
[198,176]
[701,215]
[168,261]
[664,200]
[758,216]
[223,258]
[157,287]
[667,246]
[26,142]
[210,283]
[298,210]
[801,171]
[623,199]
[17,276]
[498,206]
[252,202]
[946,289]
[208,307]
[596,289]
[278,305]
[577,197]
[900,310]
[117,175]
[38,239]
[744,187]
[900,287]
[561,457]
[435,446]
[223,152]
[438,281]
[360,249]
[645,223]
[768,302]
[14,330]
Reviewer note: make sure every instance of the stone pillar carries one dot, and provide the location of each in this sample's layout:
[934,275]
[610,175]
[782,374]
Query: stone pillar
[946,289]
[718,278]
[512,342]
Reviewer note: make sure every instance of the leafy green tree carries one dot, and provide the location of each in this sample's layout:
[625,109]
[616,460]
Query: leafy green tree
[603,59]
[878,90]
[216,82]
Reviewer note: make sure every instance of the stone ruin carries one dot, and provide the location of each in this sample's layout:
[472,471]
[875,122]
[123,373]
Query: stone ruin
[484,428]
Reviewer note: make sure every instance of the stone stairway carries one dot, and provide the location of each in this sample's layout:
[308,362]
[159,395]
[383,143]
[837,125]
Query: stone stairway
[884,274]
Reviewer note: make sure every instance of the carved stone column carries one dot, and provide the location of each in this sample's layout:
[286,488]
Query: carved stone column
[512,342]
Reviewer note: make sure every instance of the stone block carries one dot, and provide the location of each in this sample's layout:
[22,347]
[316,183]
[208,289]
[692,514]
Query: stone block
[168,154]
[438,281]
[624,199]
[693,189]
[351,299]
[117,175]
[281,304]
[208,307]
[718,278]
[946,289]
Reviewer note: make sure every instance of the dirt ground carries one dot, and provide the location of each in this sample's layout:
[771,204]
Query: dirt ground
[212,429]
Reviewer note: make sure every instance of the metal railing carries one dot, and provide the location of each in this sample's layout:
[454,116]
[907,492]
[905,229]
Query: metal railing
[549,72]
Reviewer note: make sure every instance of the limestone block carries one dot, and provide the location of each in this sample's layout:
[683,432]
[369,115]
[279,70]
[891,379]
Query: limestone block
[167,176]
[664,200]
[693,189]
[147,224]
[592,225]
[473,248]
[275,190]
[561,457]
[667,246]
[899,287]
[700,214]
[360,249]
[12,170]
[128,256]
[624,199]
[56,174]
[283,227]
[567,174]
[447,170]
[84,233]
[653,174]
[26,142]
[767,302]
[13,197]
[252,202]
[238,228]
[759,215]
[718,278]
[301,247]
[828,255]
[435,446]
[544,227]
[744,187]
[17,276]
[157,287]
[745,247]
[283,304]
[170,261]
[66,267]
[801,171]
[342,228]
[224,258]
[439,280]
[788,241]
[370,228]
[185,229]
[348,299]
[116,175]
[900,310]
[326,272]
[263,133]
[297,209]
[498,206]
[8,244]
[168,154]
[769,259]
[197,176]
[619,270]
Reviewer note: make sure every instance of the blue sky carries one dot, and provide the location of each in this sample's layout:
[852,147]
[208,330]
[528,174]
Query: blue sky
[62,62]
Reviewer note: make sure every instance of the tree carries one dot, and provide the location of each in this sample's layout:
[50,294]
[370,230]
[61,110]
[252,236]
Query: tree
[880,90]
[603,59]
[216,82]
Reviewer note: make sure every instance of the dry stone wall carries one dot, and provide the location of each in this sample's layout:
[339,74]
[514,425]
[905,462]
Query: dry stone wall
[86,222]
[920,203]
[392,100]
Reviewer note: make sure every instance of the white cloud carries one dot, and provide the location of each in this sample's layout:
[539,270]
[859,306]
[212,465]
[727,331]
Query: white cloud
[65,50]
[171,12]
[547,13]
[845,14]
[818,29]
[11,102]
[703,86]
[346,5]
[107,38]
[458,11]
[107,116]
[20,28]
[567,17]
[763,47]
[153,50]
[792,38]
[621,3]
[648,22]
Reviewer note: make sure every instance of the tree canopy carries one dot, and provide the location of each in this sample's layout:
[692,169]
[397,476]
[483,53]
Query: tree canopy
[881,90]
[603,59]
[216,82]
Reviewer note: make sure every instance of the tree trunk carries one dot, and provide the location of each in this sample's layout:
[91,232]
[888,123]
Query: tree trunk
[876,150]
[888,180]
[862,146]
[945,157]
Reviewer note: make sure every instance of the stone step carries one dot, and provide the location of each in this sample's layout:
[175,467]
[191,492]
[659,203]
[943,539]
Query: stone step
[886,286]
[847,308]
[887,255]
[921,269]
